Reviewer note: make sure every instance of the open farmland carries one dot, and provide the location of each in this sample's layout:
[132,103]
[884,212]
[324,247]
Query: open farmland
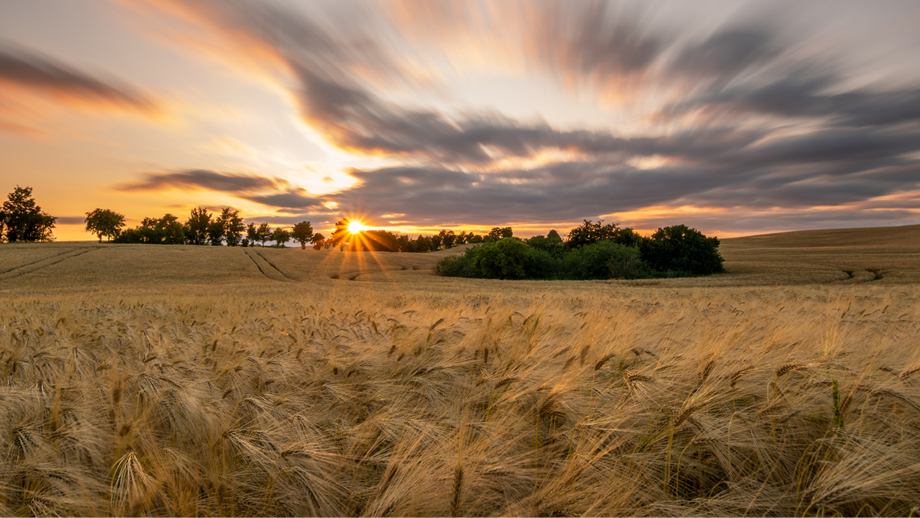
[180,380]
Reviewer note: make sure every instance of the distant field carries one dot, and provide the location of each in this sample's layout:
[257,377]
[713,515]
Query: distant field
[888,255]
[159,380]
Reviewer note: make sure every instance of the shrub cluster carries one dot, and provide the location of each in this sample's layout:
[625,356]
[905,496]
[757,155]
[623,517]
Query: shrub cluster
[593,251]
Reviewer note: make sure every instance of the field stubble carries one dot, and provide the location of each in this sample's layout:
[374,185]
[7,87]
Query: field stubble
[209,381]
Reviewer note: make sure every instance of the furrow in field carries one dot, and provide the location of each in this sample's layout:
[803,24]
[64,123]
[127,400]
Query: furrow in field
[272,265]
[34,266]
[265,267]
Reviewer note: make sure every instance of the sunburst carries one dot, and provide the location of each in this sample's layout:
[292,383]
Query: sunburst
[356,226]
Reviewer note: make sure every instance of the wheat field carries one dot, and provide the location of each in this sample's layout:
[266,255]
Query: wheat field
[212,381]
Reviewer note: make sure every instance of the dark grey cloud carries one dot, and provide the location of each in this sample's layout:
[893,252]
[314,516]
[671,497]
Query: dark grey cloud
[832,168]
[725,54]
[752,153]
[204,179]
[297,199]
[42,73]
[272,192]
[802,94]
[590,41]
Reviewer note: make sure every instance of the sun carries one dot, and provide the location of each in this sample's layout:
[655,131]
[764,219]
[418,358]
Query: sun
[355,226]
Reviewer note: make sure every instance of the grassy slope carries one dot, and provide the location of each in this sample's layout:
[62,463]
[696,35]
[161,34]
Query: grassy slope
[200,380]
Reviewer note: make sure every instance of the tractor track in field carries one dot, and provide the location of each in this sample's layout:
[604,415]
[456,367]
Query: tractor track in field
[40,264]
[252,254]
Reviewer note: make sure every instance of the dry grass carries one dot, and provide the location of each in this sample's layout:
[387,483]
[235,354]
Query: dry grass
[240,394]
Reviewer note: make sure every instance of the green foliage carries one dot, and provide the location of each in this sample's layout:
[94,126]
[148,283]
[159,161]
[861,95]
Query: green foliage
[104,222]
[197,226]
[281,236]
[589,232]
[233,226]
[554,247]
[302,233]
[166,230]
[21,219]
[626,262]
[680,249]
[318,240]
[448,238]
[216,232]
[506,258]
[264,233]
[602,260]
[616,257]
[381,240]
[340,235]
[498,233]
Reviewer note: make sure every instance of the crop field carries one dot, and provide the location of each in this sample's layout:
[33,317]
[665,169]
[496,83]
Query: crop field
[181,380]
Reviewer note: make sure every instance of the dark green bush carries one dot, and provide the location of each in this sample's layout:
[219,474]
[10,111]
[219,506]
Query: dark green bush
[593,261]
[670,252]
[680,249]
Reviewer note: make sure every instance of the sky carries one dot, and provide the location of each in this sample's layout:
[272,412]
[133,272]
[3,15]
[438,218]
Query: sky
[735,118]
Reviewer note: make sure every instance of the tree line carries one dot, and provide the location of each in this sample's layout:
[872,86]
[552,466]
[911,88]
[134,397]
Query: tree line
[592,251]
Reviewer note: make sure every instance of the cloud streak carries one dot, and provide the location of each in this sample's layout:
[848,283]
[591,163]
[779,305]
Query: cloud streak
[35,72]
[738,117]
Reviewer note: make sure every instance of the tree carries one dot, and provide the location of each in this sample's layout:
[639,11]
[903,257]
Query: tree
[23,220]
[340,234]
[554,236]
[448,238]
[436,241]
[263,233]
[233,226]
[281,236]
[252,233]
[498,233]
[318,241]
[198,225]
[681,249]
[104,222]
[216,231]
[589,233]
[303,233]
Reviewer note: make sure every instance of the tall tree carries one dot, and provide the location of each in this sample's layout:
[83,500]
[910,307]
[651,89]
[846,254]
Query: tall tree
[264,233]
[233,226]
[340,234]
[23,220]
[281,236]
[216,232]
[172,232]
[198,224]
[498,233]
[303,233]
[318,241]
[104,222]
[448,238]
[252,232]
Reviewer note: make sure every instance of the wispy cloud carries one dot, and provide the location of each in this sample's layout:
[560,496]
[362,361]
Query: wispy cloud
[204,179]
[738,117]
[40,74]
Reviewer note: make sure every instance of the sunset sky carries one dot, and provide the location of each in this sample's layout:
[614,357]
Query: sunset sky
[731,117]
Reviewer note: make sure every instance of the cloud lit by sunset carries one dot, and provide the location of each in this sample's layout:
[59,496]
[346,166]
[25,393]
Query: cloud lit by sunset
[734,118]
